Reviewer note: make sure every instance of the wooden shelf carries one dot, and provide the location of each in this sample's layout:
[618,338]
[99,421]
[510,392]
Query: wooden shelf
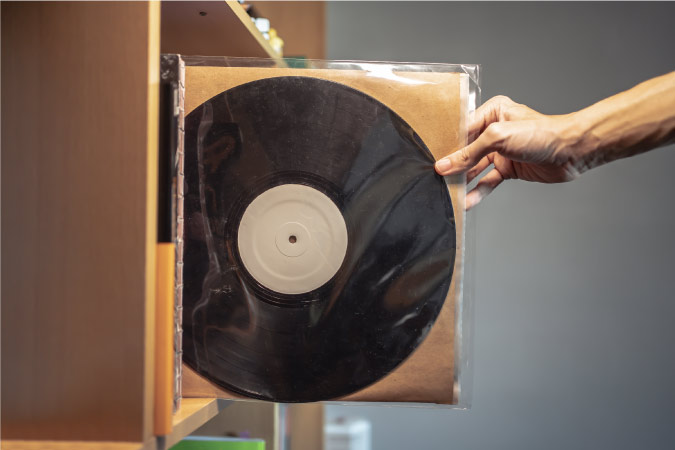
[79,184]
[68,445]
[220,28]
[193,413]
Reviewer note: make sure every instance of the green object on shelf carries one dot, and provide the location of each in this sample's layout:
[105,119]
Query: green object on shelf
[296,62]
[218,443]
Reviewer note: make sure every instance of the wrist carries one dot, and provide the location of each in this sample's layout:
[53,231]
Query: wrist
[580,142]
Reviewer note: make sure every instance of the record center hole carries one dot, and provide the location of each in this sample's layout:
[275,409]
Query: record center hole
[292,239]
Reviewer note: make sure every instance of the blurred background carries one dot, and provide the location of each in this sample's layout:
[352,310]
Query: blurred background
[574,336]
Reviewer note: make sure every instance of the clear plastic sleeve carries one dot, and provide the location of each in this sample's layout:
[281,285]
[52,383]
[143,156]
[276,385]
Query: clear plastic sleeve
[324,259]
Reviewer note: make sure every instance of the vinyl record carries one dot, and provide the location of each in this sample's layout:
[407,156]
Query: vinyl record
[319,241]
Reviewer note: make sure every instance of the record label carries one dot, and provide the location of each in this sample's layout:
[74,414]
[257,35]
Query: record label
[292,239]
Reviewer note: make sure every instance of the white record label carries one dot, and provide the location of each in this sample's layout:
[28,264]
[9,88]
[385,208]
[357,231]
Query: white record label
[292,239]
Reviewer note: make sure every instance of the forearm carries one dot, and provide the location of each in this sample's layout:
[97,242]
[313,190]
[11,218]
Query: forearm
[632,122]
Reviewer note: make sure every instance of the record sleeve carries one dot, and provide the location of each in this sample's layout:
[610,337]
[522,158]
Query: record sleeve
[323,257]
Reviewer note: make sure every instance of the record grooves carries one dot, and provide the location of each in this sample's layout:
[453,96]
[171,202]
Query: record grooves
[350,154]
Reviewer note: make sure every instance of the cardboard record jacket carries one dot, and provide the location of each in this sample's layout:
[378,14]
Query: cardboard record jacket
[280,163]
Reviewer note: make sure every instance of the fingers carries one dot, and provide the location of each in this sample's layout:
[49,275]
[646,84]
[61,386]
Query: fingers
[478,168]
[467,157]
[485,186]
[486,113]
[489,112]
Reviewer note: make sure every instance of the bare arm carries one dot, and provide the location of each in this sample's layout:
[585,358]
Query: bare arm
[524,144]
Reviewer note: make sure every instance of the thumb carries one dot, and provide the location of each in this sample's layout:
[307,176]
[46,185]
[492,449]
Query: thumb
[465,158]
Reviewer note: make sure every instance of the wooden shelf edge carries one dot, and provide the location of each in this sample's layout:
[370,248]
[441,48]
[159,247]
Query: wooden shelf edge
[239,11]
[193,413]
[68,445]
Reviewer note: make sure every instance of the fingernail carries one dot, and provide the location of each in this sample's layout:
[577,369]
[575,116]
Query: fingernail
[443,165]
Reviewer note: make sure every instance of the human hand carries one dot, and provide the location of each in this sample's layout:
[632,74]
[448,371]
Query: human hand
[521,143]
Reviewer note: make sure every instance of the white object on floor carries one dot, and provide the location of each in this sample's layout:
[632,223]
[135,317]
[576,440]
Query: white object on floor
[345,433]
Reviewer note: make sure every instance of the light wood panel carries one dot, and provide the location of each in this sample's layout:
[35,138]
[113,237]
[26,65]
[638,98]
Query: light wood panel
[68,445]
[302,26]
[304,426]
[77,119]
[217,28]
[193,413]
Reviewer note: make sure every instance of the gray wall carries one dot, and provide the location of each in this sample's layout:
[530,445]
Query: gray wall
[574,297]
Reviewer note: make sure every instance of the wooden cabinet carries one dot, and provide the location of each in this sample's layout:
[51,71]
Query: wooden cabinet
[79,151]
[79,206]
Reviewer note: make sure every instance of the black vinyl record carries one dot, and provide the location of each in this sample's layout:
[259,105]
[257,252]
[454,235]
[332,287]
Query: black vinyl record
[391,285]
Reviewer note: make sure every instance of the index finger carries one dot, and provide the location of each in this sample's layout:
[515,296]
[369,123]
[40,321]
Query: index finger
[482,117]
[487,113]
[467,157]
